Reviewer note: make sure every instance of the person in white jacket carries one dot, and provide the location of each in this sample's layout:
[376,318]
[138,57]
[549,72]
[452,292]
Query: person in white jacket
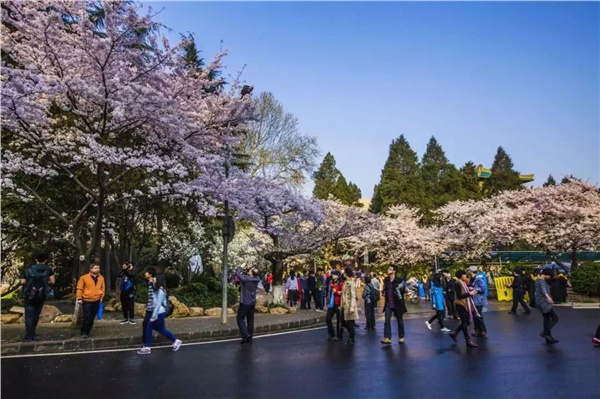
[156,313]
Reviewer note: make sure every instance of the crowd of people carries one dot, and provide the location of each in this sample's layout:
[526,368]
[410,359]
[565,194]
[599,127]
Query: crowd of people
[461,298]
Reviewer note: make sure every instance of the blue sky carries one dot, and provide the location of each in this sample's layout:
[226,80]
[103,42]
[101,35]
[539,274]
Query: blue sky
[524,76]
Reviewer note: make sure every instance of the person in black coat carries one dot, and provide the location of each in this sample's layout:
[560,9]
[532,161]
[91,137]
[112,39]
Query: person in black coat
[393,292]
[519,286]
[311,288]
[448,289]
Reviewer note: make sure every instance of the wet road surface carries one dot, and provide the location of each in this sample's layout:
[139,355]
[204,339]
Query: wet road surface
[512,362]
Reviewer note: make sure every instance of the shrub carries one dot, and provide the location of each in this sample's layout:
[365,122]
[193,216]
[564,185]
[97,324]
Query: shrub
[10,301]
[585,278]
[207,294]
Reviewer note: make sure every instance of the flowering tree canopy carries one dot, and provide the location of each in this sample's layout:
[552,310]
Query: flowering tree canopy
[398,238]
[105,110]
[469,229]
[563,218]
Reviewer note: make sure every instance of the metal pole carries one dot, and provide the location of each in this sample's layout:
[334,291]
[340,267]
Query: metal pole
[225,268]
[226,234]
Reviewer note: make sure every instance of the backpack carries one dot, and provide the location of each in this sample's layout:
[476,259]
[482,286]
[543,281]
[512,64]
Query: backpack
[168,305]
[373,293]
[36,286]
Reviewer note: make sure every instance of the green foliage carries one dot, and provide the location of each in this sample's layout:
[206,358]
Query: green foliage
[206,294]
[330,181]
[503,177]
[325,178]
[10,301]
[550,181]
[586,279]
[469,183]
[441,180]
[376,202]
[141,293]
[400,181]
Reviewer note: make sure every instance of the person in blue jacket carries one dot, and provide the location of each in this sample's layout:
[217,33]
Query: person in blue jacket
[437,302]
[480,300]
[156,313]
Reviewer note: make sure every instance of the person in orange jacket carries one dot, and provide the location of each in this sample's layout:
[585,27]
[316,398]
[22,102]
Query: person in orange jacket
[90,292]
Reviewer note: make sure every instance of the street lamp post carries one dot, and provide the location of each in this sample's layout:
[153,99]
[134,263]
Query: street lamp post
[228,226]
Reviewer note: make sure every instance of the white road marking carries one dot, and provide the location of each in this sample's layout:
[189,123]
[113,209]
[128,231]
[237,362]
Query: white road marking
[91,352]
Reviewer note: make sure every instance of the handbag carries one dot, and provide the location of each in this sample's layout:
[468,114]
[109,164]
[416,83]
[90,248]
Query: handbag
[78,314]
[100,311]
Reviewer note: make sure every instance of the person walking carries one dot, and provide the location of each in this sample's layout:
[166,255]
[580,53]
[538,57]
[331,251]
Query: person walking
[519,287]
[543,303]
[245,314]
[90,292]
[371,297]
[35,280]
[127,295]
[156,310]
[449,294]
[480,300]
[334,300]
[393,289]
[464,306]
[349,305]
[437,302]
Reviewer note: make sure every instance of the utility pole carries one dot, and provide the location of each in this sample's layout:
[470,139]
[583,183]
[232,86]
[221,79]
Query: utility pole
[228,225]
[228,233]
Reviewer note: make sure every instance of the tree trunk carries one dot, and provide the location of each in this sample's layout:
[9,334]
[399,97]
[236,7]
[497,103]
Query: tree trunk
[278,294]
[573,256]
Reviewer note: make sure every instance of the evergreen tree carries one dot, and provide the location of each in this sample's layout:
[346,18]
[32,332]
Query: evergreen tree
[550,181]
[400,180]
[470,188]
[326,178]
[355,195]
[569,179]
[341,190]
[376,201]
[441,180]
[503,177]
[330,181]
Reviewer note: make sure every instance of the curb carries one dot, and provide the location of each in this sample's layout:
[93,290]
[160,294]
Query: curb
[78,345]
[585,305]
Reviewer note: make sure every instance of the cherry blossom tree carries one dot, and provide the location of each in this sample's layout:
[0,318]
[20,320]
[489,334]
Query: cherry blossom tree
[289,225]
[94,117]
[398,238]
[469,229]
[557,219]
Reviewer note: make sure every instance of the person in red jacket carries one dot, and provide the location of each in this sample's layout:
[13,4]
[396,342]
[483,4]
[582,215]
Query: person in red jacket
[334,300]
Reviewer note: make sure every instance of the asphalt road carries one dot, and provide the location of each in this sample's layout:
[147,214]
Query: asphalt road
[512,362]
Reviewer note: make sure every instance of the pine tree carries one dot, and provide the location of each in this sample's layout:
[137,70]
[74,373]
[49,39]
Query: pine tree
[569,179]
[441,180]
[550,181]
[503,177]
[470,188]
[376,201]
[326,178]
[330,181]
[341,191]
[355,195]
[400,181]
